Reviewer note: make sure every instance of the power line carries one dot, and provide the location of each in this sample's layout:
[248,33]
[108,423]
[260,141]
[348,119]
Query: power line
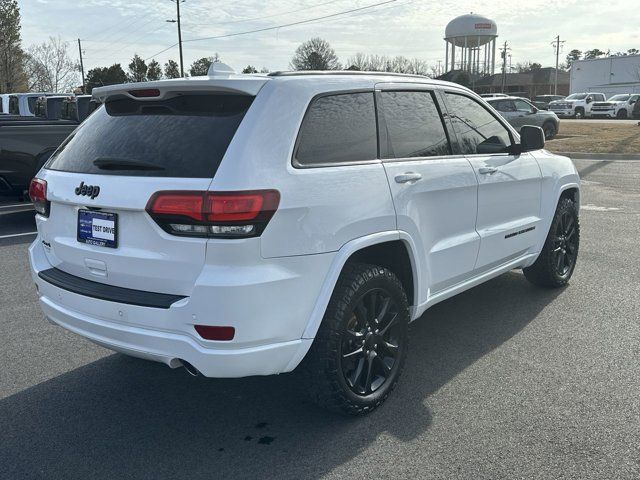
[300,22]
[265,16]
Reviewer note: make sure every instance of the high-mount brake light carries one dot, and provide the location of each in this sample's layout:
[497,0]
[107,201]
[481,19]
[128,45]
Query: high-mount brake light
[239,214]
[38,195]
[145,93]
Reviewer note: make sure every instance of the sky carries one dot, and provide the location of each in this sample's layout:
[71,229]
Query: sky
[112,31]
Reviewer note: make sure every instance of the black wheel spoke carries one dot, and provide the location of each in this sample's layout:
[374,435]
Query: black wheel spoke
[391,322]
[568,226]
[353,380]
[372,306]
[385,368]
[390,348]
[354,354]
[385,308]
[355,337]
[361,313]
[369,377]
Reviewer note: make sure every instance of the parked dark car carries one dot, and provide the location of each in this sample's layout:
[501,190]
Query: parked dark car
[542,101]
[25,145]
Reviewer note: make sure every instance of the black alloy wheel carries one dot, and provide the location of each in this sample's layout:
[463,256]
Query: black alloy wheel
[565,243]
[371,343]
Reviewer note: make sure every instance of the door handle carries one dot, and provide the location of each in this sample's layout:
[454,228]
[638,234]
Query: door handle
[408,177]
[487,170]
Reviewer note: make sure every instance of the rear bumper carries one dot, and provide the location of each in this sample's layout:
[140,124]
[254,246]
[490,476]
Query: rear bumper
[270,314]
[170,348]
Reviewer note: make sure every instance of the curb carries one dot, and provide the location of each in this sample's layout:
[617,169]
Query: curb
[599,156]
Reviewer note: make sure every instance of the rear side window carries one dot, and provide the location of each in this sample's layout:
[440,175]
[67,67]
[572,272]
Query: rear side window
[414,125]
[337,129]
[185,136]
[478,131]
[503,105]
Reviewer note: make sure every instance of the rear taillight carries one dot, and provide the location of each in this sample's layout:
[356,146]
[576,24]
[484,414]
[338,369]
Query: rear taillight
[214,214]
[38,195]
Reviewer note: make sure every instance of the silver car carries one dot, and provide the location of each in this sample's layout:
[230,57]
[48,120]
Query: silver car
[520,112]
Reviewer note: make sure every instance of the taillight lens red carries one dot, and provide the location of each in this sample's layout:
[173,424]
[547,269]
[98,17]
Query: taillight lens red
[215,333]
[38,195]
[214,214]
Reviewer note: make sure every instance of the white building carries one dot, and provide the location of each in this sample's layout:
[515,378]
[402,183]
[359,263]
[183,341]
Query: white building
[609,75]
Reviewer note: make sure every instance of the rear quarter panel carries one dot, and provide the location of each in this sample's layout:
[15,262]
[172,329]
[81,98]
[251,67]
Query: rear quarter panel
[321,209]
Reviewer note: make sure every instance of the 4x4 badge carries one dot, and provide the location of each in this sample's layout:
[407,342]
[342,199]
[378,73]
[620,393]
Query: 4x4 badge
[88,190]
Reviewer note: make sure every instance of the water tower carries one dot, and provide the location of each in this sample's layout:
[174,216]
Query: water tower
[473,44]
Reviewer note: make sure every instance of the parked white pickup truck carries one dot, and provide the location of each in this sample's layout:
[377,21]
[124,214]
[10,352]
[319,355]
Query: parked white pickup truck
[618,106]
[576,105]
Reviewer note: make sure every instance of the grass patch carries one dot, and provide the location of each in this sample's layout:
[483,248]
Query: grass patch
[596,137]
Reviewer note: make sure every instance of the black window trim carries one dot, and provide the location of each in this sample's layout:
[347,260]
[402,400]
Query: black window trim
[294,161]
[382,140]
[498,117]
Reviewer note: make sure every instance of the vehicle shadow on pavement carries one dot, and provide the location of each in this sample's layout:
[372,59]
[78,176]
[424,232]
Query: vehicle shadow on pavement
[121,418]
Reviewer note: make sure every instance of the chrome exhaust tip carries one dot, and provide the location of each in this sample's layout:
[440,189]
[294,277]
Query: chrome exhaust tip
[191,370]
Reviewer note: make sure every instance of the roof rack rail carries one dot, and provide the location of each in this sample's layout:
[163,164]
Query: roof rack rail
[293,73]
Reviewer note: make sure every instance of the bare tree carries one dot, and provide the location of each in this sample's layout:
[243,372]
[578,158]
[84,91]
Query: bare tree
[50,68]
[315,54]
[382,63]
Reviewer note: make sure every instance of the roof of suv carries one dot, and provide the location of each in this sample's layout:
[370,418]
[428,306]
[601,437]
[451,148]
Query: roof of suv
[252,83]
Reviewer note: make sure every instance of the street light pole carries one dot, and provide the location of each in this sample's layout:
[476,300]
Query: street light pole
[81,66]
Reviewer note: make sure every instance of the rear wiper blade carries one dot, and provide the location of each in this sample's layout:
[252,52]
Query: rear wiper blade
[124,164]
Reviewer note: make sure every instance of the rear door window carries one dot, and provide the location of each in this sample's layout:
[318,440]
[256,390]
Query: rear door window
[14,108]
[338,129]
[478,131]
[184,136]
[503,105]
[414,126]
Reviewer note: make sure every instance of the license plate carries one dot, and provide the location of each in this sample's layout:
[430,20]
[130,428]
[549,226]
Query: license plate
[98,228]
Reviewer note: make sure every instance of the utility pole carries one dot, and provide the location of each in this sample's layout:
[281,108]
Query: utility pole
[504,51]
[557,44]
[179,36]
[81,65]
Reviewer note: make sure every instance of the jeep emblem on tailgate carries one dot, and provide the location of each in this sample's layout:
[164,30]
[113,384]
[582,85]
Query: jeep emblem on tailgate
[88,190]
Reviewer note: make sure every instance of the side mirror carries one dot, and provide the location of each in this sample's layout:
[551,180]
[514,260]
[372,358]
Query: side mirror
[589,100]
[531,138]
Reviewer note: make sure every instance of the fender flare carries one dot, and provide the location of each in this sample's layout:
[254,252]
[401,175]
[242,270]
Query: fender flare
[339,261]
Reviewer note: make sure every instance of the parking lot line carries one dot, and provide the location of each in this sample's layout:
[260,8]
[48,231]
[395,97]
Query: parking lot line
[18,235]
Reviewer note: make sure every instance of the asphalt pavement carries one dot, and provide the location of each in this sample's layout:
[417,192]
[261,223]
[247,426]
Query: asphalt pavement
[503,381]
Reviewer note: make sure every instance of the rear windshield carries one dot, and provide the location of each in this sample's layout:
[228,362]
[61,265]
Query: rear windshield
[185,136]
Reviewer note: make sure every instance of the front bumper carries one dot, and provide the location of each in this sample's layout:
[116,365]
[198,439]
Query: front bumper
[270,314]
[566,112]
[603,113]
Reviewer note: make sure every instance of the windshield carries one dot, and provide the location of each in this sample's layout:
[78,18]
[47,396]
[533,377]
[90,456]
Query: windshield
[577,96]
[184,136]
[619,98]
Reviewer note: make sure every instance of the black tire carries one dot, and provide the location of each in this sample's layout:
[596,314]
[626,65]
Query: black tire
[550,130]
[555,265]
[350,347]
[579,113]
[622,114]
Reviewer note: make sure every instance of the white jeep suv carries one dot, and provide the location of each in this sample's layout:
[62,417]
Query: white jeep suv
[243,225]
